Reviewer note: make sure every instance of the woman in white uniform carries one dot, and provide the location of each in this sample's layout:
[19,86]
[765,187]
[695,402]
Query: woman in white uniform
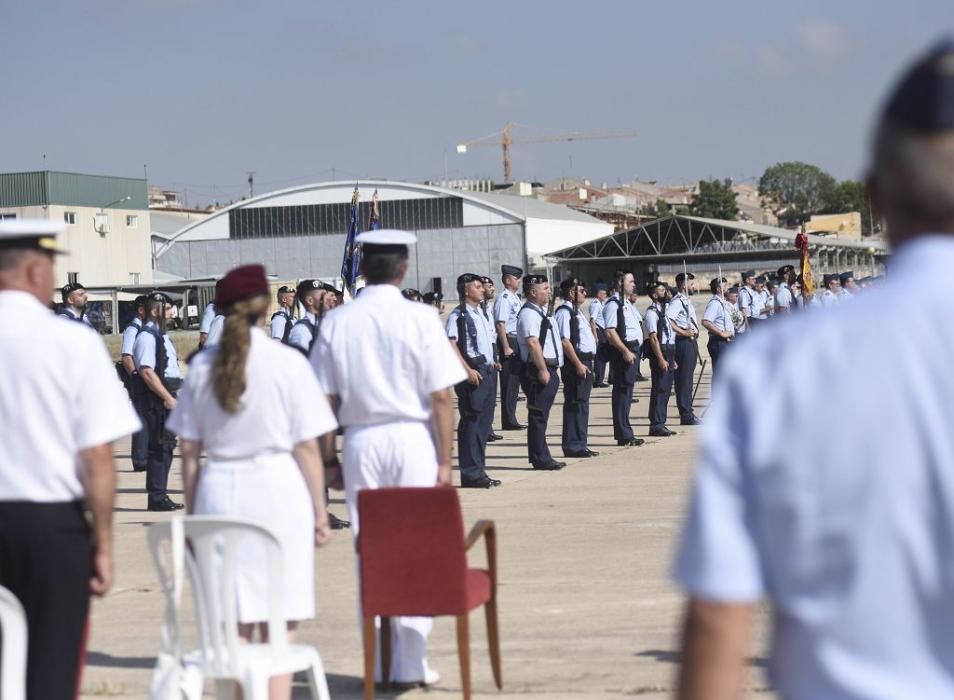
[257,409]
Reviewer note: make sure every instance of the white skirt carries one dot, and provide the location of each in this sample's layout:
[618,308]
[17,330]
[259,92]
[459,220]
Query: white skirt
[270,491]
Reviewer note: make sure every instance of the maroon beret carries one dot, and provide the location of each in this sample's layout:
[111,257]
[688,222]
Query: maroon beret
[241,283]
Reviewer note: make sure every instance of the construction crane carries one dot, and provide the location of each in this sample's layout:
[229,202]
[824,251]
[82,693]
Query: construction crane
[505,140]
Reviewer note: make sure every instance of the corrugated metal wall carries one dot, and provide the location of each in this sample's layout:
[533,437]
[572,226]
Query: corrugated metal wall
[71,189]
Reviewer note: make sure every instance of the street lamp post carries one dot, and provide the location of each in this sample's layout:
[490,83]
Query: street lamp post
[101,228]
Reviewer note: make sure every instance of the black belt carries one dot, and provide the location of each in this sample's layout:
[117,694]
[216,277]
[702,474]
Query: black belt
[477,362]
[632,345]
[551,362]
[585,356]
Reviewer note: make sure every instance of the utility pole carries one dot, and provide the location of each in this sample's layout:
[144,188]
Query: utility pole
[145,172]
[251,184]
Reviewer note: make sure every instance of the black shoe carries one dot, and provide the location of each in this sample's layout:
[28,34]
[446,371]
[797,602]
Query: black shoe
[483,482]
[632,442]
[577,455]
[550,466]
[691,420]
[640,378]
[165,506]
[601,385]
[140,467]
[592,453]
[520,398]
[515,426]
[337,523]
[661,432]
[493,437]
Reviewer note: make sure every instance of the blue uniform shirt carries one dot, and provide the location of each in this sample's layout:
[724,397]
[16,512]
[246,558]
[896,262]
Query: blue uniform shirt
[718,315]
[596,313]
[529,321]
[144,352]
[668,336]
[506,307]
[129,335]
[207,317]
[300,335]
[587,341]
[278,323]
[484,338]
[634,330]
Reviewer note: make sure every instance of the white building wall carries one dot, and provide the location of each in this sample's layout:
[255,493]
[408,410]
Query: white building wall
[99,260]
[545,235]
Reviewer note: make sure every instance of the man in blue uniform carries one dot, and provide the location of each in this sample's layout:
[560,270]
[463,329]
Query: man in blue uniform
[472,341]
[662,359]
[75,301]
[541,353]
[283,319]
[506,308]
[599,332]
[487,311]
[624,334]
[579,351]
[140,439]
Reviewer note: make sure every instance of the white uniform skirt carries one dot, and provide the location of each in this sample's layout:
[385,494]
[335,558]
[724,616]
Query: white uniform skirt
[270,491]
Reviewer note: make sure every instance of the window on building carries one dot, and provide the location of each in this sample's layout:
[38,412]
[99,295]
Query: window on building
[72,277]
[69,217]
[135,278]
[132,220]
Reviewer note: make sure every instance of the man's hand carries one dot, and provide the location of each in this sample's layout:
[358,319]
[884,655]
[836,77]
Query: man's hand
[170,404]
[628,357]
[664,366]
[544,376]
[497,366]
[582,370]
[444,475]
[102,578]
[322,529]
[473,377]
[334,477]
[509,352]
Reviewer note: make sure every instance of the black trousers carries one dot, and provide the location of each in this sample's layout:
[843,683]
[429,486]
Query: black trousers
[492,405]
[45,554]
[661,387]
[624,379]
[599,363]
[475,405]
[539,402]
[140,440]
[509,386]
[716,347]
[687,355]
[161,445]
[576,408]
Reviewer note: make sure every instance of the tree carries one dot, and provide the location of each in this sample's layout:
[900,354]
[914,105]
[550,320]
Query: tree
[657,210]
[795,191]
[715,200]
[851,195]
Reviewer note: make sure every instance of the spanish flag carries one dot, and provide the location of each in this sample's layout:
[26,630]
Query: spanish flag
[808,282]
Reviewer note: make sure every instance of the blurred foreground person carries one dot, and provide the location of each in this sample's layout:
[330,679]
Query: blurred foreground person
[61,406]
[257,410]
[388,368]
[846,527]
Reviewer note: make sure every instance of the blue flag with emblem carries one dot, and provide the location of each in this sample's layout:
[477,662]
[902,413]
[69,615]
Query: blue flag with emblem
[352,255]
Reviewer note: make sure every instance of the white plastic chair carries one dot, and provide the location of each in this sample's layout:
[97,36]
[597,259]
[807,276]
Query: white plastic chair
[13,625]
[210,562]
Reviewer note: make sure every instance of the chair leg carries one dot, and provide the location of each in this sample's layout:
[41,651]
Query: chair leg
[369,644]
[225,690]
[493,641]
[386,651]
[255,685]
[317,681]
[463,651]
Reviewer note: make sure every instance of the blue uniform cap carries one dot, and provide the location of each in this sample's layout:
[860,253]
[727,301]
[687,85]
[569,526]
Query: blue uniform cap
[923,100]
[511,270]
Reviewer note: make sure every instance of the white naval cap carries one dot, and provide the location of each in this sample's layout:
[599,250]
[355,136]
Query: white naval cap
[38,234]
[386,236]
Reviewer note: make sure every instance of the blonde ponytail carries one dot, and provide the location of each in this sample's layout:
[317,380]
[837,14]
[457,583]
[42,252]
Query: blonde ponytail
[228,368]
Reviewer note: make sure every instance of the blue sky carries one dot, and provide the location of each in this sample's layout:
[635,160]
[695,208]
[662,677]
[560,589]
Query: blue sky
[204,90]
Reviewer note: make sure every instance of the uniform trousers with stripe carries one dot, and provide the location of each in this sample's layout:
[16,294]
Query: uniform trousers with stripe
[540,399]
[576,407]
[624,380]
[687,355]
[716,346]
[661,387]
[475,403]
[162,443]
[45,555]
[510,385]
[599,362]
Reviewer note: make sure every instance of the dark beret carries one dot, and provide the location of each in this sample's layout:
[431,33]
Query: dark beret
[242,283]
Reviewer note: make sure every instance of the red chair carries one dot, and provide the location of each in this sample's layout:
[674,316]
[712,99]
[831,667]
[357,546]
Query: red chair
[414,563]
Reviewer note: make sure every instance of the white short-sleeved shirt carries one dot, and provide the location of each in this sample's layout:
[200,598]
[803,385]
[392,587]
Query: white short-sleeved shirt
[207,317]
[529,322]
[783,296]
[717,313]
[759,303]
[283,404]
[59,394]
[596,313]
[215,330]
[668,336]
[562,318]
[384,355]
[829,298]
[844,294]
[506,307]
[682,312]
[485,341]
[845,526]
[300,335]
[747,301]
[144,352]
[634,323]
[129,335]
[278,322]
